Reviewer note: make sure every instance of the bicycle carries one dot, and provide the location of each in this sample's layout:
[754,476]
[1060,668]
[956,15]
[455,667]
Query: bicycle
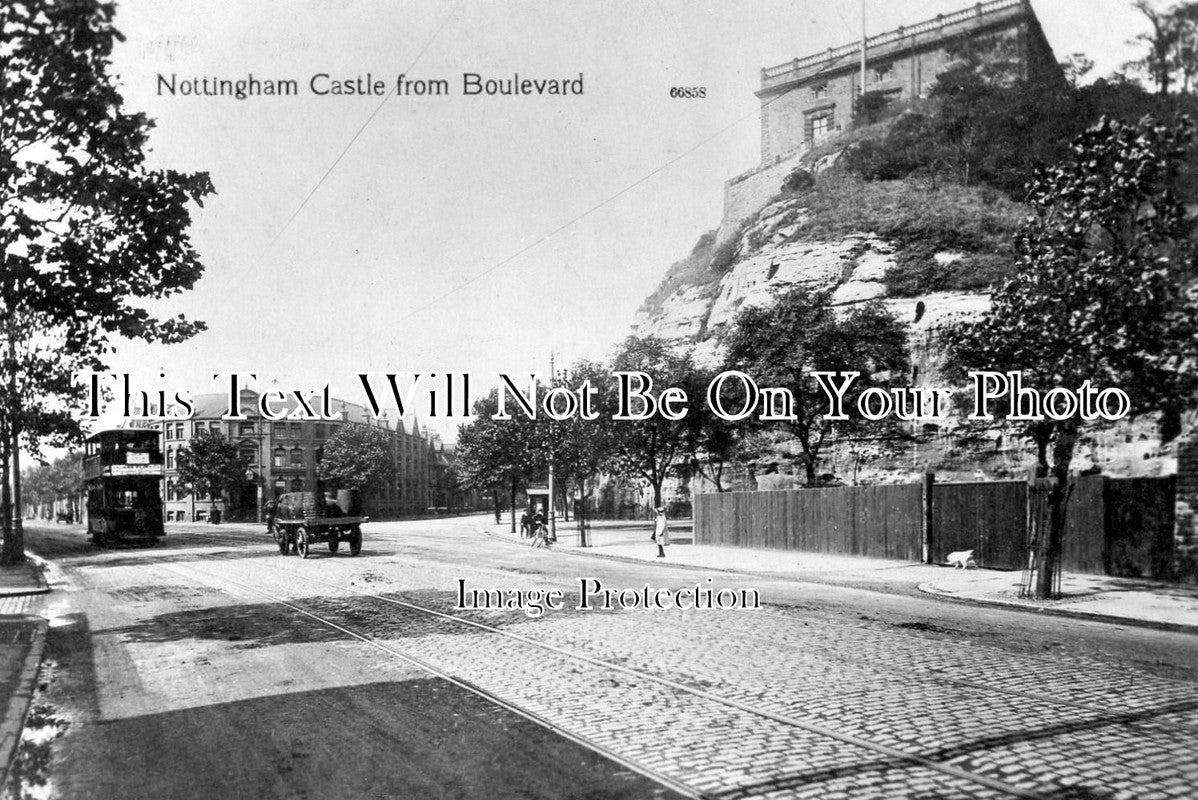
[540,535]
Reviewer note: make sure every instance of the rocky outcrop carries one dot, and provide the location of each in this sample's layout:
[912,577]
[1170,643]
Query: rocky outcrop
[771,260]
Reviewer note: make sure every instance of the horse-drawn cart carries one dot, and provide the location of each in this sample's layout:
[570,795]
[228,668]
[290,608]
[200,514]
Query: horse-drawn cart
[305,519]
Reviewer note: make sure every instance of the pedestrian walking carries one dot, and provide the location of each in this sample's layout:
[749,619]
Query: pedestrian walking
[661,532]
[525,524]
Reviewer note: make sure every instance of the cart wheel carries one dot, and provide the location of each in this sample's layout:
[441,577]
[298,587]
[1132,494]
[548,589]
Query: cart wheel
[334,543]
[282,539]
[302,545]
[355,540]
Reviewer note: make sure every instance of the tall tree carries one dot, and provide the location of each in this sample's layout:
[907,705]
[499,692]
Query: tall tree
[1171,46]
[650,449]
[782,344]
[578,447]
[1099,294]
[498,455]
[359,457]
[88,230]
[210,464]
[1160,43]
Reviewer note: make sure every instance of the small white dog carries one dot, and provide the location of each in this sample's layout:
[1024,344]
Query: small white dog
[963,559]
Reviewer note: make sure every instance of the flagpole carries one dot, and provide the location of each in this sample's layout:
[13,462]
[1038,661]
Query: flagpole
[862,48]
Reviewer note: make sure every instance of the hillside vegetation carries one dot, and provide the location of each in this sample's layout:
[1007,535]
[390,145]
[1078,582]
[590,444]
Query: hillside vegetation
[976,225]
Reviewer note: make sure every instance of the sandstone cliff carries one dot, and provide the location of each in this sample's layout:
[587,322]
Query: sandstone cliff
[929,253]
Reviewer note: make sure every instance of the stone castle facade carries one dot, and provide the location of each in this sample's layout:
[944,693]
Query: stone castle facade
[812,98]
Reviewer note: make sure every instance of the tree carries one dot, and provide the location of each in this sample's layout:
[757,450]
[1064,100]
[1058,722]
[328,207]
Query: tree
[210,464]
[782,344]
[1161,42]
[649,449]
[359,457]
[497,454]
[578,447]
[1171,56]
[88,230]
[1098,295]
[712,442]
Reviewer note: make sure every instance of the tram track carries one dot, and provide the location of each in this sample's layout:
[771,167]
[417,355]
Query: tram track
[358,615]
[888,755]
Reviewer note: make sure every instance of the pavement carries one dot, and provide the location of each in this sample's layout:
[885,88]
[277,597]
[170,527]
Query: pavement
[22,643]
[1129,601]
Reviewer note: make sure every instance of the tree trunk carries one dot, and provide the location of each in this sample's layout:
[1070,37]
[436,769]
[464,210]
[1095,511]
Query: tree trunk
[1058,499]
[13,551]
[809,470]
[495,500]
[513,505]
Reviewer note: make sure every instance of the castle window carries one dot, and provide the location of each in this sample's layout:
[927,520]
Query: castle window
[883,73]
[819,125]
[819,90]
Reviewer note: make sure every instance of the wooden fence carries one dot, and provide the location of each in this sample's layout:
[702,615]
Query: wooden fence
[1114,526]
[879,521]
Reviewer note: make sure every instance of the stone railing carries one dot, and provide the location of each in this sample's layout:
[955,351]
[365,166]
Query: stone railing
[833,53]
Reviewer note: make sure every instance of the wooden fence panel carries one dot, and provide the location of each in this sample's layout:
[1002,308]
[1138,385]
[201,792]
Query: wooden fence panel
[1083,544]
[1114,526]
[879,521]
[988,518]
[1139,527]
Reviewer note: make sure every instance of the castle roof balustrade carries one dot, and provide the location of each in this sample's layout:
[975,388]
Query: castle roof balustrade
[885,44]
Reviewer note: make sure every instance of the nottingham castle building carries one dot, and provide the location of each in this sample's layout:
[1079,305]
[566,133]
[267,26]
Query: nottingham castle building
[811,98]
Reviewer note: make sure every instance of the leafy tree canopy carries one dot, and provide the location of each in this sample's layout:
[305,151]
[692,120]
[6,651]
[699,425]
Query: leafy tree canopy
[89,231]
[782,344]
[210,464]
[1100,292]
[359,457]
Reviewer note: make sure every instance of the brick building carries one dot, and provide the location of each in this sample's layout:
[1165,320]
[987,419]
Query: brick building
[811,98]
[283,455]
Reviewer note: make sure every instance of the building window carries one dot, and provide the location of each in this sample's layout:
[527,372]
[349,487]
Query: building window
[320,431]
[819,126]
[280,487]
[297,457]
[214,427]
[820,90]
[249,455]
[883,73]
[201,516]
[245,429]
[280,457]
[170,458]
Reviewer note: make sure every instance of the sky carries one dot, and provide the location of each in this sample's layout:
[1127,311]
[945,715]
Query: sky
[456,233]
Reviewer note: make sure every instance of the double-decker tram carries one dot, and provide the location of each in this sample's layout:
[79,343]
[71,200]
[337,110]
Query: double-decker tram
[122,474]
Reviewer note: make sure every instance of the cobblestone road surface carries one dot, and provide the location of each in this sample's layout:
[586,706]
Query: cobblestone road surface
[787,701]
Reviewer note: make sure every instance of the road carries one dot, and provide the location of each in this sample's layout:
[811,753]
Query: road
[212,666]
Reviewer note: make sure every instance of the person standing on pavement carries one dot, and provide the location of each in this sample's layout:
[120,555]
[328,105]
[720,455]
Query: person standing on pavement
[661,532]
